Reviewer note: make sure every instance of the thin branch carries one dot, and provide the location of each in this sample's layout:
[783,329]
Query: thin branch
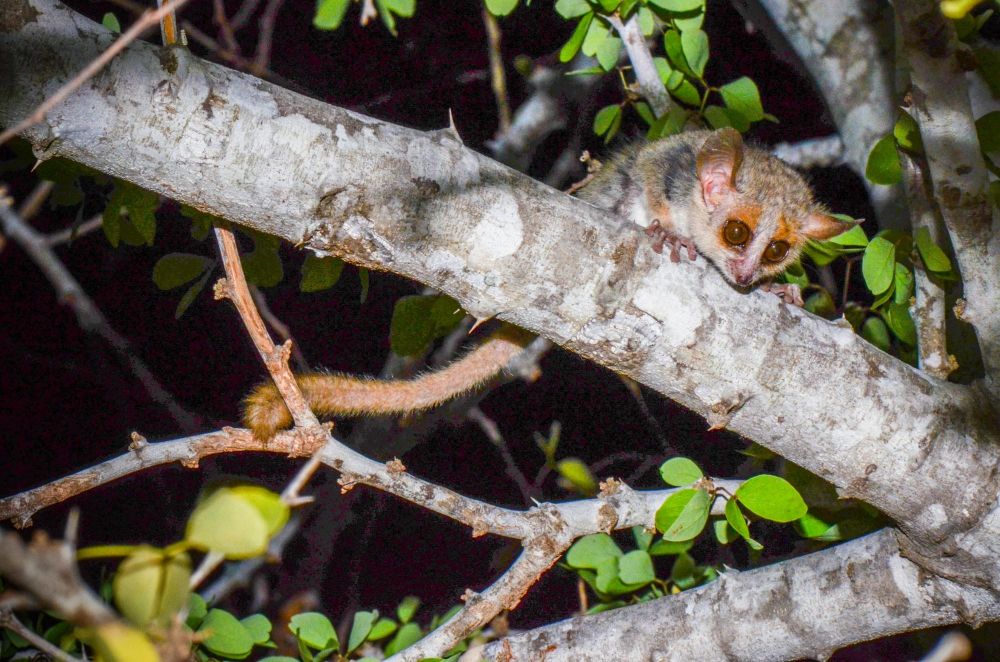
[147,20]
[73,233]
[268,20]
[226,29]
[89,316]
[823,152]
[10,621]
[492,432]
[244,13]
[278,327]
[928,310]
[939,102]
[646,76]
[498,77]
[47,569]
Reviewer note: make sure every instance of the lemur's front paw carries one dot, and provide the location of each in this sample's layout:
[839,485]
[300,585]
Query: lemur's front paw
[662,235]
[790,293]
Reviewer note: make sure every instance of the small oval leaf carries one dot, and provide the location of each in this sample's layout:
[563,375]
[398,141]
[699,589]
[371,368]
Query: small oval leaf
[771,497]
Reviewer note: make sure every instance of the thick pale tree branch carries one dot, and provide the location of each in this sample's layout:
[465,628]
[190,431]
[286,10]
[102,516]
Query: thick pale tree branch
[424,206]
[940,105]
[806,607]
[848,53]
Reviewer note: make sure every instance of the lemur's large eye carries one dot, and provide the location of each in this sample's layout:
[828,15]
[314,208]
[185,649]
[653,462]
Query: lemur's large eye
[776,251]
[736,233]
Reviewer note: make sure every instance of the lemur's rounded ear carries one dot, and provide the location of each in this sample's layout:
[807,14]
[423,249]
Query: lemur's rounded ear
[821,225]
[717,163]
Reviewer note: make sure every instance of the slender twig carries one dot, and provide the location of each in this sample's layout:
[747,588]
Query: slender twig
[33,203]
[235,288]
[492,432]
[243,14]
[9,620]
[368,12]
[278,327]
[635,391]
[823,152]
[89,316]
[498,77]
[268,20]
[147,20]
[928,309]
[208,564]
[73,233]
[225,27]
[646,75]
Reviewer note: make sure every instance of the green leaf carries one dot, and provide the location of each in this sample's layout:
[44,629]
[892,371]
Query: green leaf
[643,538]
[501,7]
[678,5]
[262,265]
[907,134]
[314,629]
[383,628]
[175,269]
[117,642]
[853,238]
[609,5]
[578,475]
[736,520]
[931,255]
[897,316]
[606,117]
[686,93]
[278,658]
[636,567]
[680,471]
[988,130]
[201,223]
[229,524]
[330,13]
[407,635]
[683,571]
[192,293]
[151,586]
[572,8]
[903,285]
[724,533]
[683,515]
[875,331]
[821,303]
[360,629]
[811,526]
[675,52]
[883,163]
[417,320]
[743,96]
[269,505]
[197,609]
[695,46]
[590,551]
[988,61]
[771,497]
[365,279]
[645,112]
[717,117]
[647,22]
[572,47]
[320,273]
[690,20]
[129,215]
[668,125]
[228,638]
[668,547]
[389,9]
[878,265]
[407,608]
[110,21]
[259,627]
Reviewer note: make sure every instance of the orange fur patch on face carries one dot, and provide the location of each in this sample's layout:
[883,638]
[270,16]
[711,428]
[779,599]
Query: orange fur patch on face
[786,231]
[749,215]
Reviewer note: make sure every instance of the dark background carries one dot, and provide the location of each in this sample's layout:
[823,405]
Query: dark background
[70,402]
